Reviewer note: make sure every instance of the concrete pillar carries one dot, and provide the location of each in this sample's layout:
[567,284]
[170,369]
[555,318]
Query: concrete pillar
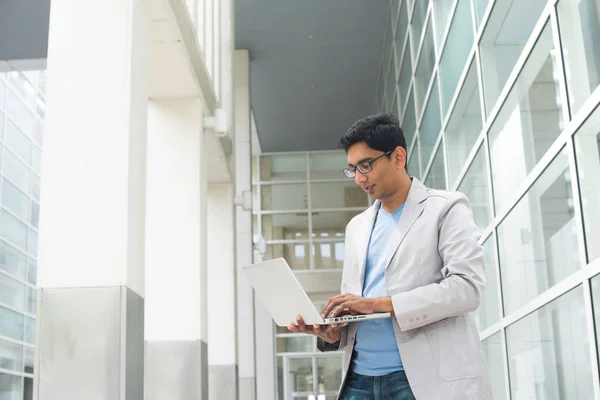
[176,316]
[243,227]
[222,354]
[91,237]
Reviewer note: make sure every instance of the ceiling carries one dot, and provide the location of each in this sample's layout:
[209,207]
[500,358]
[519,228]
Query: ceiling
[314,67]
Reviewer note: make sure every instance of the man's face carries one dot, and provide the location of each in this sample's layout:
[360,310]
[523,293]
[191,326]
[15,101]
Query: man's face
[382,180]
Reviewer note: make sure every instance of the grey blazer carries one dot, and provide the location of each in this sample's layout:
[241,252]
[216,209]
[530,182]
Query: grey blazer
[435,276]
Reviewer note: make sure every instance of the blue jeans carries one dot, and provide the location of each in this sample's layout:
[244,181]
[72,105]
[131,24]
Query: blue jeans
[388,387]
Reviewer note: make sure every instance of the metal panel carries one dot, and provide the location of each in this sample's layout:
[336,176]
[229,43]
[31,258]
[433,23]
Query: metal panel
[222,382]
[134,351]
[173,369]
[79,343]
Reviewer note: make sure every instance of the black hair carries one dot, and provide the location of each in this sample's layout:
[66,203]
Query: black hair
[380,132]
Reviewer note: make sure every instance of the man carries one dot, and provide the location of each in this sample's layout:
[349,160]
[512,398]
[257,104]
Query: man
[414,253]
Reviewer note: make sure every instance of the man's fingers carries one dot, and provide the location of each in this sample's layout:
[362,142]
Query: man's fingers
[293,328]
[334,302]
[341,308]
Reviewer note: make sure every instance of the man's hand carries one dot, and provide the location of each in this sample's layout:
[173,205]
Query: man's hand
[329,333]
[349,303]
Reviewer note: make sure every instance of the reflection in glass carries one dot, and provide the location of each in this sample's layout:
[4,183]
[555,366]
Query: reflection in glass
[301,375]
[457,49]
[289,196]
[436,177]
[418,19]
[329,373]
[409,122]
[328,165]
[285,226]
[11,356]
[489,310]
[579,22]
[289,167]
[528,123]
[464,126]
[414,162]
[12,293]
[480,7]
[587,148]
[494,355]
[538,238]
[424,68]
[505,35]
[548,352]
[12,324]
[296,344]
[338,195]
[475,186]
[431,125]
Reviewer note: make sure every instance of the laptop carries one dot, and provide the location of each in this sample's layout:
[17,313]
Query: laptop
[278,289]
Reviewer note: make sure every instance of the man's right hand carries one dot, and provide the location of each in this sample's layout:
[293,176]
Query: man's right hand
[329,333]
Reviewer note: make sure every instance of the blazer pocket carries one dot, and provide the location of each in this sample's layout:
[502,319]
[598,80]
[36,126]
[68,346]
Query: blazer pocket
[451,346]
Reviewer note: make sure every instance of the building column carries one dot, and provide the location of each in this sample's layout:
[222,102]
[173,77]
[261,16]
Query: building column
[91,240]
[222,354]
[243,227]
[176,328]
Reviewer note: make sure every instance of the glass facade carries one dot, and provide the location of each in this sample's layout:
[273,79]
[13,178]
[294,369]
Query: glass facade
[501,100]
[21,116]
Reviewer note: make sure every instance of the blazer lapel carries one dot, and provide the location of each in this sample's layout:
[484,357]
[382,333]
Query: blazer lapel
[412,210]
[363,241]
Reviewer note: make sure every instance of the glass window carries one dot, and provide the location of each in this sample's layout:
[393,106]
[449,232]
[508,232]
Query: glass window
[328,255]
[32,271]
[17,111]
[34,216]
[337,195]
[494,355]
[331,225]
[548,352]
[579,22]
[28,360]
[328,165]
[13,261]
[489,310]
[15,200]
[11,324]
[425,66]
[505,35]
[12,293]
[409,122]
[10,387]
[436,177]
[290,167]
[394,108]
[405,75]
[17,141]
[456,51]
[537,240]
[329,374]
[296,254]
[13,230]
[301,375]
[480,7]
[296,344]
[388,52]
[285,226]
[475,186]
[390,86]
[418,19]
[587,148]
[401,31]
[29,330]
[414,161]
[15,170]
[289,196]
[443,10]
[35,187]
[33,242]
[36,160]
[381,88]
[528,123]
[431,126]
[464,125]
[31,295]
[11,358]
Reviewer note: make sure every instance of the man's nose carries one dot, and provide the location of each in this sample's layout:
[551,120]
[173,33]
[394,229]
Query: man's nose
[360,178]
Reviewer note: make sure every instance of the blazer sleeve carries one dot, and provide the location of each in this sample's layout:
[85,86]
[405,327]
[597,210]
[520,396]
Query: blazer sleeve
[463,277]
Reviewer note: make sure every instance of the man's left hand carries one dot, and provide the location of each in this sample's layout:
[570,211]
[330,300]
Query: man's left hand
[349,303]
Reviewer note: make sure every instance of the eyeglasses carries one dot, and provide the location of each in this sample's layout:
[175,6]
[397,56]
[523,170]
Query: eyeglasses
[364,167]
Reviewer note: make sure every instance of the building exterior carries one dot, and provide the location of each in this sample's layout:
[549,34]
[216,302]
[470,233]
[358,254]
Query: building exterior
[21,121]
[155,189]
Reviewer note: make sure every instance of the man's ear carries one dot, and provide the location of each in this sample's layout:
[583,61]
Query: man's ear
[400,157]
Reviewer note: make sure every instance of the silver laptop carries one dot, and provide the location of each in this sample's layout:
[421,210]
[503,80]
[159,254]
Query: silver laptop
[278,289]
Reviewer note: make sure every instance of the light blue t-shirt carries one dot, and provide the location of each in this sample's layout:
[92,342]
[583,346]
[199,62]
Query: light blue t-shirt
[375,350]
